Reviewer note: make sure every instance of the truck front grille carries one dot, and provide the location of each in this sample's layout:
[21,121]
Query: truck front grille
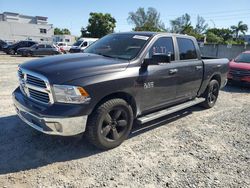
[35,81]
[38,95]
[239,72]
[35,86]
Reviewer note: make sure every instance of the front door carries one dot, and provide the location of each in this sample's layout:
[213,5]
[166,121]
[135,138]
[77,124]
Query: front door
[39,50]
[159,81]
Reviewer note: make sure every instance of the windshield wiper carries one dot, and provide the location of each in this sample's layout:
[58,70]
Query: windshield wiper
[104,55]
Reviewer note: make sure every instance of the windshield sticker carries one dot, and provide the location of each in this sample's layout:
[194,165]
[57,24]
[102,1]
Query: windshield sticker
[140,37]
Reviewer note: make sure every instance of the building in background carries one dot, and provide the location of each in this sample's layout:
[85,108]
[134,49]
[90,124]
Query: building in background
[69,39]
[15,27]
[247,38]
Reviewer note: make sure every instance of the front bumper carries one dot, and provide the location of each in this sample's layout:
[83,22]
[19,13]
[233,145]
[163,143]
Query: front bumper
[58,125]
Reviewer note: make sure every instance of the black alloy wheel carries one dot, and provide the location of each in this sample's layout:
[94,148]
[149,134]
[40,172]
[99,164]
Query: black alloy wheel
[211,94]
[114,124]
[110,124]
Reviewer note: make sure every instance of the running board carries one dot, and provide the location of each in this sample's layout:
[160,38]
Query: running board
[158,114]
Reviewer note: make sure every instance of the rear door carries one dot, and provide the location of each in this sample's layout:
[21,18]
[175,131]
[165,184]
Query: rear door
[190,69]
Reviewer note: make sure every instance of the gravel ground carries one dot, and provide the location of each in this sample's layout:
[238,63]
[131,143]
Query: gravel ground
[192,148]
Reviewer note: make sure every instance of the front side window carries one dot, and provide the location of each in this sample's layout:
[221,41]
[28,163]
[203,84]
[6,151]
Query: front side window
[77,43]
[40,46]
[163,45]
[187,49]
[122,46]
[48,46]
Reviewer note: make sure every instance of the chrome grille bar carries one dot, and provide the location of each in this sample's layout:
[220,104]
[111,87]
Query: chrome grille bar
[35,86]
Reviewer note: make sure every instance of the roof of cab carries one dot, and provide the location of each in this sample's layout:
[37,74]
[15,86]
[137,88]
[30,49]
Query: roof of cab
[149,33]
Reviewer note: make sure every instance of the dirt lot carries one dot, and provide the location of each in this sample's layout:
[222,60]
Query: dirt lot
[192,148]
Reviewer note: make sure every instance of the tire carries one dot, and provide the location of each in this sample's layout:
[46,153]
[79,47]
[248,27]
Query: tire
[110,124]
[11,52]
[211,94]
[28,54]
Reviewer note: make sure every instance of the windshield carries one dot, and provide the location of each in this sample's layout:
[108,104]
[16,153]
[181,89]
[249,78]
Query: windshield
[122,46]
[244,58]
[78,43]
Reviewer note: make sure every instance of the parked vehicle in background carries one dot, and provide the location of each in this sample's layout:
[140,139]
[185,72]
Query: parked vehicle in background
[240,69]
[2,44]
[64,47]
[120,78]
[81,44]
[12,49]
[39,50]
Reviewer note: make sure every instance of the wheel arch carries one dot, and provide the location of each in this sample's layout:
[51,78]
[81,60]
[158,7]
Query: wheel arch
[216,77]
[121,95]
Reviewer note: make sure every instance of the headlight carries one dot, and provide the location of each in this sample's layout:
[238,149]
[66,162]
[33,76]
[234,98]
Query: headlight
[70,94]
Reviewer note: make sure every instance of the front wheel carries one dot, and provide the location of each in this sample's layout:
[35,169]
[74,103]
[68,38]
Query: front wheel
[29,54]
[211,94]
[110,124]
[11,52]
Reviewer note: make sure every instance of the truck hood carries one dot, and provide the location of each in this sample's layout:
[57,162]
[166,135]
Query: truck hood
[63,68]
[239,65]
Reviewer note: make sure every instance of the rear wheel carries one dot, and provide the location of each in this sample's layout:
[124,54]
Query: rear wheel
[211,94]
[110,124]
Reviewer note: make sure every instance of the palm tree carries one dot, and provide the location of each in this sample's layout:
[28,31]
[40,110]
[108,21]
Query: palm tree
[240,28]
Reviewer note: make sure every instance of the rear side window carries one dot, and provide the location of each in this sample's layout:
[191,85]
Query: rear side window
[187,49]
[48,46]
[163,45]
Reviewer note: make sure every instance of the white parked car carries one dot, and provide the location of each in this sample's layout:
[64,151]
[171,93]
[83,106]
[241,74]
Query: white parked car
[63,46]
[81,44]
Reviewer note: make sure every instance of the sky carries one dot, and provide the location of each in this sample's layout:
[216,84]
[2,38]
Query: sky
[74,14]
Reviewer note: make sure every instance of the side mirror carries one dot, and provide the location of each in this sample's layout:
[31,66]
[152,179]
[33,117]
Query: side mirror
[157,58]
[161,58]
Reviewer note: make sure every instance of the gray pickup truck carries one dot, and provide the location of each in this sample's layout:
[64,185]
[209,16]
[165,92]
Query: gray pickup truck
[120,79]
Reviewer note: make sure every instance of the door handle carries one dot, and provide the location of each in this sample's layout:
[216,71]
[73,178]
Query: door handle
[198,67]
[173,71]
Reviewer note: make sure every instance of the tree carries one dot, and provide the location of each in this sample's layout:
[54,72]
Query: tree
[58,31]
[201,25]
[146,21]
[181,24]
[225,34]
[239,28]
[99,25]
[65,31]
[213,38]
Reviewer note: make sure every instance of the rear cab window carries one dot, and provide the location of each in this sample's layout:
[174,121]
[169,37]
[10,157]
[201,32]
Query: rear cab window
[187,49]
